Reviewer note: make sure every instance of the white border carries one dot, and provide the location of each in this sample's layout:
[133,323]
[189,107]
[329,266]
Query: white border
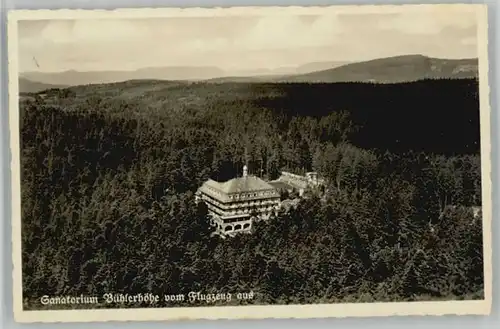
[481,307]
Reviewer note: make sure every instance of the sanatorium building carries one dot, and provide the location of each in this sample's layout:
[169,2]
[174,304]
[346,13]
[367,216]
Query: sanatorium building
[235,204]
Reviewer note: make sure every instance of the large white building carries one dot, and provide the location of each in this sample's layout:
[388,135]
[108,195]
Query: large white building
[234,205]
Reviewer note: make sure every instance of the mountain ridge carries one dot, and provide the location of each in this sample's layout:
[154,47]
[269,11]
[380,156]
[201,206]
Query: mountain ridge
[28,86]
[396,69]
[75,78]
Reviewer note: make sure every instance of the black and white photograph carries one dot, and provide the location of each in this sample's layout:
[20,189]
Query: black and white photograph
[250,162]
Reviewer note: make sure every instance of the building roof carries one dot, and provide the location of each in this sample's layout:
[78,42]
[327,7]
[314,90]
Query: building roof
[214,184]
[245,184]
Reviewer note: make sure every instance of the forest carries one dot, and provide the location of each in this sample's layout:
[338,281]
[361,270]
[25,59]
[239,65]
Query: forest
[109,174]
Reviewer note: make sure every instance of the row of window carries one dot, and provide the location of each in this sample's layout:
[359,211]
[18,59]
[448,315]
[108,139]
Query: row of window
[236,227]
[243,195]
[240,211]
[251,195]
[221,205]
[244,211]
[235,220]
[214,222]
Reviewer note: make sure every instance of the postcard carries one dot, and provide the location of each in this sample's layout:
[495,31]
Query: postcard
[250,162]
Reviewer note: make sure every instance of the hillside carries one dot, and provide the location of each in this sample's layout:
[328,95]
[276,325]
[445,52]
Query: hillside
[386,70]
[318,66]
[393,116]
[27,86]
[277,75]
[75,78]
[247,79]
[213,74]
[393,70]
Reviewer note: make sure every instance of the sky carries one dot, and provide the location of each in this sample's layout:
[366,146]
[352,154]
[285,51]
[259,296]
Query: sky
[241,43]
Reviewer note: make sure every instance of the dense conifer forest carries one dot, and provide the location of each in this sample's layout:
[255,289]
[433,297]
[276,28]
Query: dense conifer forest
[109,174]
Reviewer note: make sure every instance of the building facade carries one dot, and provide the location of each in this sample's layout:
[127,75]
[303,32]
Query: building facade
[235,205]
[289,181]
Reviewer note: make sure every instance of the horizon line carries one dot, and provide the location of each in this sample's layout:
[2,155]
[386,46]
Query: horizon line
[346,62]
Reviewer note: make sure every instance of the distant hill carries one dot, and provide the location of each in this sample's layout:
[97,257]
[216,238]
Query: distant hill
[258,78]
[75,78]
[28,86]
[276,74]
[288,70]
[386,70]
[318,66]
[263,72]
[393,70]
[190,73]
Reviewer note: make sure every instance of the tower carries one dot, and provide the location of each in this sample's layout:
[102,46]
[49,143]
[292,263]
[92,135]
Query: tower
[245,167]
